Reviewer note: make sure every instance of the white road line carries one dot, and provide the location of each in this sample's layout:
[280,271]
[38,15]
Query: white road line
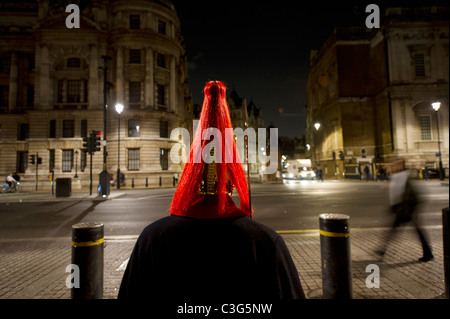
[123,265]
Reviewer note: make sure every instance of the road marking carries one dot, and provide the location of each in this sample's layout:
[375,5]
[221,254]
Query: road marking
[123,265]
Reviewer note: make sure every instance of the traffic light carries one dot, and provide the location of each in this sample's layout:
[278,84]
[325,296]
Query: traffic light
[95,136]
[87,144]
[341,155]
[39,160]
[32,159]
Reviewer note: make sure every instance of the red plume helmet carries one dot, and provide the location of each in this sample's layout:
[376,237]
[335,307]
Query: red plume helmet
[188,200]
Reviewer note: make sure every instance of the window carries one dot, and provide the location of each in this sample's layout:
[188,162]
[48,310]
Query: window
[67,160]
[52,133]
[30,95]
[22,162]
[135,92]
[419,64]
[68,128]
[161,92]
[164,158]
[60,91]
[83,131]
[73,91]
[135,56]
[161,27]
[425,128]
[134,128]
[163,129]
[133,159]
[83,160]
[4,95]
[161,60]
[135,21]
[24,131]
[51,160]
[5,64]
[73,63]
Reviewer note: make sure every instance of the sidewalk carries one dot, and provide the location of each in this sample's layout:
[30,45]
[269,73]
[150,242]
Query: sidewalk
[35,268]
[43,196]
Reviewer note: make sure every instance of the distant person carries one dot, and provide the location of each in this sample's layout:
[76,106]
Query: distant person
[208,248]
[426,173]
[367,172]
[319,174]
[11,181]
[403,201]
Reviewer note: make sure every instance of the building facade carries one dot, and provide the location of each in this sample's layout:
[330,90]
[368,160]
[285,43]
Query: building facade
[371,92]
[52,89]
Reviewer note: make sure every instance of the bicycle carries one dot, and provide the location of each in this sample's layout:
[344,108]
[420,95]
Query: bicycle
[16,188]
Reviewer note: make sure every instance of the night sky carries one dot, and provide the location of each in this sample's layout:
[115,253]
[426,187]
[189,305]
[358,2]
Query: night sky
[262,49]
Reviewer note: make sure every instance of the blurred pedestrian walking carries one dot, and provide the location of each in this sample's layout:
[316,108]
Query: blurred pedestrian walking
[403,200]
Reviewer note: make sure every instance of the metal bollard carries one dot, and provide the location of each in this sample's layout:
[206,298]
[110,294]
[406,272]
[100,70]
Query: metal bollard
[446,240]
[160,181]
[146,182]
[87,254]
[336,256]
[132,183]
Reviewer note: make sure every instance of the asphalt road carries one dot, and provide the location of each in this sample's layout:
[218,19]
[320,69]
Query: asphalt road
[284,207]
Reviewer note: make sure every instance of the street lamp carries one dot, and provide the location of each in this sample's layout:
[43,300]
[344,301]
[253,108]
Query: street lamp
[119,109]
[76,164]
[436,106]
[317,126]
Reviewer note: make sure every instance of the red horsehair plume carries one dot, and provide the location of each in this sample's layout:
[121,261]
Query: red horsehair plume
[215,114]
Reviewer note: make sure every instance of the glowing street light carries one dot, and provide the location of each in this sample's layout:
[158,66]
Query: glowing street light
[436,106]
[119,109]
[317,126]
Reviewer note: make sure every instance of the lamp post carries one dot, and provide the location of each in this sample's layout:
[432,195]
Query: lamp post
[119,109]
[317,126]
[76,164]
[436,106]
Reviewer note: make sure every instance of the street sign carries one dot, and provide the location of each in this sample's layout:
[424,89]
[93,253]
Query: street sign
[438,154]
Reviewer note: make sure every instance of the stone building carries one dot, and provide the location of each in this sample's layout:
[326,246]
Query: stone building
[52,89]
[371,92]
[255,120]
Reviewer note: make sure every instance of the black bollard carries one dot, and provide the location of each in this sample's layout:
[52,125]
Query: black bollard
[160,181]
[132,183]
[446,240]
[336,256]
[146,182]
[87,254]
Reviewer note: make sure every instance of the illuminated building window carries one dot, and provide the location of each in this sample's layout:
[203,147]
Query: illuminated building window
[419,64]
[67,160]
[135,92]
[133,159]
[164,158]
[134,128]
[425,128]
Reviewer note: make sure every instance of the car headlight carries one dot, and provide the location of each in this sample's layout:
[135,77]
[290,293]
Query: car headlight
[284,175]
[291,175]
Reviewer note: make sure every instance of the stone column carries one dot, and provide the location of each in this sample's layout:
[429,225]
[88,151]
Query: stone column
[120,98]
[172,87]
[44,80]
[149,85]
[93,79]
[13,77]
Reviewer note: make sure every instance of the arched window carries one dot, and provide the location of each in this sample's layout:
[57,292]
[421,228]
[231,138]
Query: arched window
[73,63]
